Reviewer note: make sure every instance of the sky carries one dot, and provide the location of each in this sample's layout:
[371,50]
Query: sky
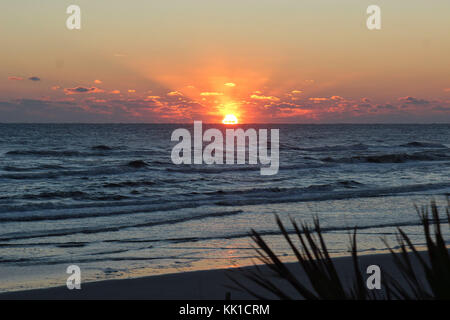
[265,61]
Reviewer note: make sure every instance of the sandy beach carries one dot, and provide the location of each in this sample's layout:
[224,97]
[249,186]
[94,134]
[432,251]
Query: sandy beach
[199,285]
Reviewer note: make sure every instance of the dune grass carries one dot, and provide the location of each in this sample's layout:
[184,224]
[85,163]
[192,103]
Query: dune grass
[325,282]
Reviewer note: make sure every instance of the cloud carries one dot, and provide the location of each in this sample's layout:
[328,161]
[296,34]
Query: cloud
[153,97]
[211,94]
[412,100]
[318,100]
[115,92]
[99,101]
[13,78]
[261,97]
[174,94]
[386,106]
[296,91]
[230,84]
[34,78]
[81,90]
[155,108]
[286,105]
[98,81]
[447,89]
[131,90]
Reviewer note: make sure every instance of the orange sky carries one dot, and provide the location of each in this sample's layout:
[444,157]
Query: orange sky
[264,61]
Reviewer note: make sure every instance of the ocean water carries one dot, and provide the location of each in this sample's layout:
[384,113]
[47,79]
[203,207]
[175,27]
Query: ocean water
[108,198]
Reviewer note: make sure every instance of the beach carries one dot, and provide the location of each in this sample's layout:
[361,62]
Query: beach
[108,198]
[202,285]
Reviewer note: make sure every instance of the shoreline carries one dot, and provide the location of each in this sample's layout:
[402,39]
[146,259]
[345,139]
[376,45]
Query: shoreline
[197,285]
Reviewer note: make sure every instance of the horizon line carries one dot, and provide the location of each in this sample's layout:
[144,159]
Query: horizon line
[247,123]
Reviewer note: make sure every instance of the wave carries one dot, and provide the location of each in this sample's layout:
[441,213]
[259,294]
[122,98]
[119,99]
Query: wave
[274,232]
[42,244]
[102,229]
[45,261]
[344,189]
[296,194]
[76,195]
[156,181]
[239,168]
[58,194]
[350,184]
[102,147]
[72,245]
[45,153]
[137,164]
[123,184]
[28,169]
[391,158]
[358,146]
[50,211]
[106,256]
[51,206]
[312,188]
[93,212]
[62,153]
[355,147]
[103,170]
[96,151]
[417,144]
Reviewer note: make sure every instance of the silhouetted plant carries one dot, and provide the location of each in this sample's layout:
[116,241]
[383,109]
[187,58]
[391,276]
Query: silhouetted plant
[325,282]
[436,268]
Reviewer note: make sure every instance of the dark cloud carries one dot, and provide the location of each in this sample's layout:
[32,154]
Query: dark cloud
[34,78]
[412,100]
[79,90]
[386,106]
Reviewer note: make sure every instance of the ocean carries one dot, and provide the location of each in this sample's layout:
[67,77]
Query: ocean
[108,198]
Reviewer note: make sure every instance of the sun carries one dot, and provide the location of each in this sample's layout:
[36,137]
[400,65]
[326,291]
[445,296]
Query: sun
[230,119]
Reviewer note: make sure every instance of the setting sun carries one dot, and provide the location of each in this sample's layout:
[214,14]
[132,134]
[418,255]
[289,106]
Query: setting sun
[230,119]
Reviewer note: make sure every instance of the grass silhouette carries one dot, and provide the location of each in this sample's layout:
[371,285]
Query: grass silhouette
[325,282]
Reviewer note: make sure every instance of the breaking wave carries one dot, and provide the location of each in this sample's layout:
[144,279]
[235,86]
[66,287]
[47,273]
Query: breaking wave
[391,158]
